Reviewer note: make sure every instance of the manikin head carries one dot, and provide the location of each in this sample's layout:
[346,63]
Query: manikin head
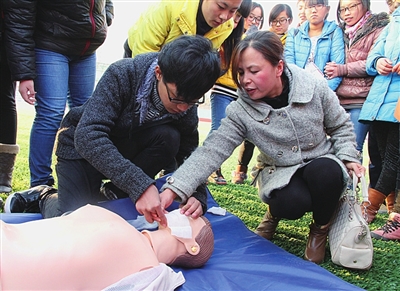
[190,252]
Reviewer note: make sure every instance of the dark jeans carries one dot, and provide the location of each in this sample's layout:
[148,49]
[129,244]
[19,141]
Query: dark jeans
[79,182]
[245,153]
[127,50]
[316,187]
[375,165]
[8,111]
[387,137]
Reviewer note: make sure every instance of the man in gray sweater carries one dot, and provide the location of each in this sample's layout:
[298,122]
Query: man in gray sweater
[141,117]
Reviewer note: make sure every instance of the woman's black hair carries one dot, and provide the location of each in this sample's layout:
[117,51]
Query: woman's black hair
[236,35]
[278,9]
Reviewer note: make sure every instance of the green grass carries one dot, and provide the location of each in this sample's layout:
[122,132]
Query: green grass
[243,201]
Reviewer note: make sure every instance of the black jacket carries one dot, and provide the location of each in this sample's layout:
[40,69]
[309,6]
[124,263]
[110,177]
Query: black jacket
[69,27]
[92,131]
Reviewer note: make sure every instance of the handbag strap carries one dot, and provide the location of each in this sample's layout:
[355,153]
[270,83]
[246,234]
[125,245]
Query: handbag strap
[363,187]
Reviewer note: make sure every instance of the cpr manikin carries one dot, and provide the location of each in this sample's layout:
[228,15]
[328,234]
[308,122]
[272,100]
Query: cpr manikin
[93,248]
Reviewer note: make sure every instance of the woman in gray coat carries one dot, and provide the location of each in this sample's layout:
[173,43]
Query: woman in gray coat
[306,141]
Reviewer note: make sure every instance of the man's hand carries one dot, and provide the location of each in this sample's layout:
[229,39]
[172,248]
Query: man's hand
[27,91]
[149,205]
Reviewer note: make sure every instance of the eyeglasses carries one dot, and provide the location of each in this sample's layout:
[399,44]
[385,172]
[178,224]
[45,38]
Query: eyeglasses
[350,8]
[254,18]
[280,21]
[179,101]
[316,7]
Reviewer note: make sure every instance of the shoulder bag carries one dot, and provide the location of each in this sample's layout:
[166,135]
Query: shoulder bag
[349,235]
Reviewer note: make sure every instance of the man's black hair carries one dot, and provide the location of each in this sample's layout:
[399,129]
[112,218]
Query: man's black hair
[191,63]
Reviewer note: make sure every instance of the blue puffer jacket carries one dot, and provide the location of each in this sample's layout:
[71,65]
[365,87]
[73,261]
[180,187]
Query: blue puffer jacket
[385,90]
[330,48]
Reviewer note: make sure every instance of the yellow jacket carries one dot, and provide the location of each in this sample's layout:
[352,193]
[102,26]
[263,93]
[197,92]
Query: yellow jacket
[165,21]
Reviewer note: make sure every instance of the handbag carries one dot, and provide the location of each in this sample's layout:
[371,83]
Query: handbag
[349,235]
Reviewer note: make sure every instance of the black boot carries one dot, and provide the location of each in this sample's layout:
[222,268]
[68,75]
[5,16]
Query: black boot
[27,201]
[8,153]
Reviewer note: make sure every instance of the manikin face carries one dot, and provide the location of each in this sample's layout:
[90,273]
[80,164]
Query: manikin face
[254,18]
[168,247]
[302,11]
[280,25]
[317,13]
[257,75]
[217,12]
[351,11]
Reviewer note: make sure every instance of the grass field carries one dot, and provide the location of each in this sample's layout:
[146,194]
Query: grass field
[243,201]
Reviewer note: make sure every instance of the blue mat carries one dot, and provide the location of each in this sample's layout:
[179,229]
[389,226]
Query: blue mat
[241,259]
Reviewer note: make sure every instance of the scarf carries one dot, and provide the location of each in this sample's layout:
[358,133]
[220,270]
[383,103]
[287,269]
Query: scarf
[351,31]
[145,91]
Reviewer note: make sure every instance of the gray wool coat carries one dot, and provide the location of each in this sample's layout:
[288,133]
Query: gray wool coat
[313,125]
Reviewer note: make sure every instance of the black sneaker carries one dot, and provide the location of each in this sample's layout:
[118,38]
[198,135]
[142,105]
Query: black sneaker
[27,201]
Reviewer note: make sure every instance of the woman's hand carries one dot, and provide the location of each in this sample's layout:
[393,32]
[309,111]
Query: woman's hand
[192,208]
[27,91]
[355,169]
[384,66]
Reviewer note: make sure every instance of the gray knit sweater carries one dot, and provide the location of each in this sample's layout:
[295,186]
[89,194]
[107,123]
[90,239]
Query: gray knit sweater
[91,131]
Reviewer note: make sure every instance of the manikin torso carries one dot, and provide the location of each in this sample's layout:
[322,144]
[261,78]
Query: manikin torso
[89,249]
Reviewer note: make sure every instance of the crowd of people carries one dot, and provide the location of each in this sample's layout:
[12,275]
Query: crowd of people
[306,94]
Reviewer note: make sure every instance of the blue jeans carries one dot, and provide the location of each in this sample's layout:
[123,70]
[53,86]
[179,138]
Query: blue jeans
[219,102]
[360,129]
[59,78]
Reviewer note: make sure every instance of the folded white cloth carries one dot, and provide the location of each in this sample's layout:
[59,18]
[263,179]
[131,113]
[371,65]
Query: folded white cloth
[217,210]
[158,278]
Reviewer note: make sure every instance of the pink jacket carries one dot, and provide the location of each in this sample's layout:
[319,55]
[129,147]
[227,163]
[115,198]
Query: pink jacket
[356,84]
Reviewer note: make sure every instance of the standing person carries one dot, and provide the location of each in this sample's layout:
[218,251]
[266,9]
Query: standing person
[378,110]
[255,18]
[316,42]
[301,8]
[287,113]
[224,90]
[8,112]
[142,115]
[53,58]
[253,23]
[361,29]
[167,20]
[280,18]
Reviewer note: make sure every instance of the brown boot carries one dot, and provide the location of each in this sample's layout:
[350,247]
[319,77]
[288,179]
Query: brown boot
[376,199]
[390,202]
[317,238]
[396,206]
[268,225]
[239,175]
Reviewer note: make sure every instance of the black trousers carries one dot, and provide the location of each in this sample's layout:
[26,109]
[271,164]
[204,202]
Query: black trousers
[79,182]
[8,112]
[387,137]
[314,188]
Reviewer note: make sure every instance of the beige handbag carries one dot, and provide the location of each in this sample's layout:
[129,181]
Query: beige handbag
[349,235]
[397,110]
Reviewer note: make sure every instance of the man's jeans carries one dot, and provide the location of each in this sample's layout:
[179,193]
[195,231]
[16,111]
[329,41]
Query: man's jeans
[60,78]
